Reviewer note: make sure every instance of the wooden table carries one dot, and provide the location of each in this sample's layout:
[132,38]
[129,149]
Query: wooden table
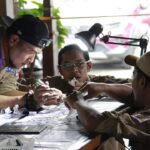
[93,144]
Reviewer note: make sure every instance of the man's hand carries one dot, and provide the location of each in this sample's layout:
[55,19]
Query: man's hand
[73,98]
[92,89]
[78,84]
[46,95]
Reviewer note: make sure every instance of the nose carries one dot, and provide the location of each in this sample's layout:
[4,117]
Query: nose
[31,59]
[75,68]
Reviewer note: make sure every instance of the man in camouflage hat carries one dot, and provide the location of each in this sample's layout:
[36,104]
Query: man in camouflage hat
[133,122]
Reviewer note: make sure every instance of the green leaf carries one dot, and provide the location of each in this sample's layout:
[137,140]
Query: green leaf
[62,31]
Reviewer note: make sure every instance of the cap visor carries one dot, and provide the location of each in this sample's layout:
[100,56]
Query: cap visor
[131,60]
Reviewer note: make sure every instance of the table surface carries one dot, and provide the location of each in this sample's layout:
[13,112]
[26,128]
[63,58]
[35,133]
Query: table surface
[64,131]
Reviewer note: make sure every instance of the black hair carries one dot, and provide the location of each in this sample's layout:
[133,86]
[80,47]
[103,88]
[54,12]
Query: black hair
[69,48]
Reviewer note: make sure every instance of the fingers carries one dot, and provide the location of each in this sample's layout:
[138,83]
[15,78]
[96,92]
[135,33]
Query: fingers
[51,97]
[41,84]
[87,90]
[49,100]
[73,98]
[52,101]
[43,94]
[47,83]
[88,97]
[83,87]
[67,105]
[78,84]
[42,87]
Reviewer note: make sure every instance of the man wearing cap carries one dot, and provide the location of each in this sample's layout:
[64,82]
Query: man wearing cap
[132,122]
[23,39]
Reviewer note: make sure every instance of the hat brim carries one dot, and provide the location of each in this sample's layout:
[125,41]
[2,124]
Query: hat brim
[131,60]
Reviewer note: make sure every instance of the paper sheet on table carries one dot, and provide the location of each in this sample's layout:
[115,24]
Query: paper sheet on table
[7,118]
[104,105]
[61,140]
[8,142]
[50,116]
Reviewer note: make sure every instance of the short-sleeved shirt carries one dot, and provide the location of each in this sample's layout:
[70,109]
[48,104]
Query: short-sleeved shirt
[8,80]
[8,75]
[59,83]
[1,34]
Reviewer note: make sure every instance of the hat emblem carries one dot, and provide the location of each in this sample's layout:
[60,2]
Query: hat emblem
[19,32]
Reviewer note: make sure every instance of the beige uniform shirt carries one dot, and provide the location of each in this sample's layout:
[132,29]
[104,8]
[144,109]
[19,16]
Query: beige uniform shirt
[8,80]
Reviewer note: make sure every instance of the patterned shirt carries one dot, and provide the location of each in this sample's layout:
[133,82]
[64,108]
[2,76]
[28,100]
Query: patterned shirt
[59,83]
[128,122]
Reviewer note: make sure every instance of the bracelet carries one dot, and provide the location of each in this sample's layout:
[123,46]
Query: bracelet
[30,103]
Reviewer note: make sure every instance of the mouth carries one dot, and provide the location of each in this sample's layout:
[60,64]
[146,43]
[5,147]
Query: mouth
[18,66]
[72,82]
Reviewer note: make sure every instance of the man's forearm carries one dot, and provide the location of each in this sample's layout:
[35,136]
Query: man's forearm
[87,115]
[14,93]
[10,101]
[118,91]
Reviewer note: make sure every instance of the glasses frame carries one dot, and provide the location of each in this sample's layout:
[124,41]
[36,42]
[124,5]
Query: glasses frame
[71,65]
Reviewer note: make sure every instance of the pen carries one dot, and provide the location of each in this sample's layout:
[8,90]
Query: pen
[19,143]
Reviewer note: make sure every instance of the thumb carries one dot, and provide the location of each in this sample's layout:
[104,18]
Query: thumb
[47,83]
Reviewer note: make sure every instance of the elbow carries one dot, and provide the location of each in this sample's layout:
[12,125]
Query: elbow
[90,128]
[89,124]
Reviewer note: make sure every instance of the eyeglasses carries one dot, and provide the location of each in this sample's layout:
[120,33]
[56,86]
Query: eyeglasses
[71,65]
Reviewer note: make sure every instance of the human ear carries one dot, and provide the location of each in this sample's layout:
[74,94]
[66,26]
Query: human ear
[142,82]
[89,66]
[59,69]
[13,40]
